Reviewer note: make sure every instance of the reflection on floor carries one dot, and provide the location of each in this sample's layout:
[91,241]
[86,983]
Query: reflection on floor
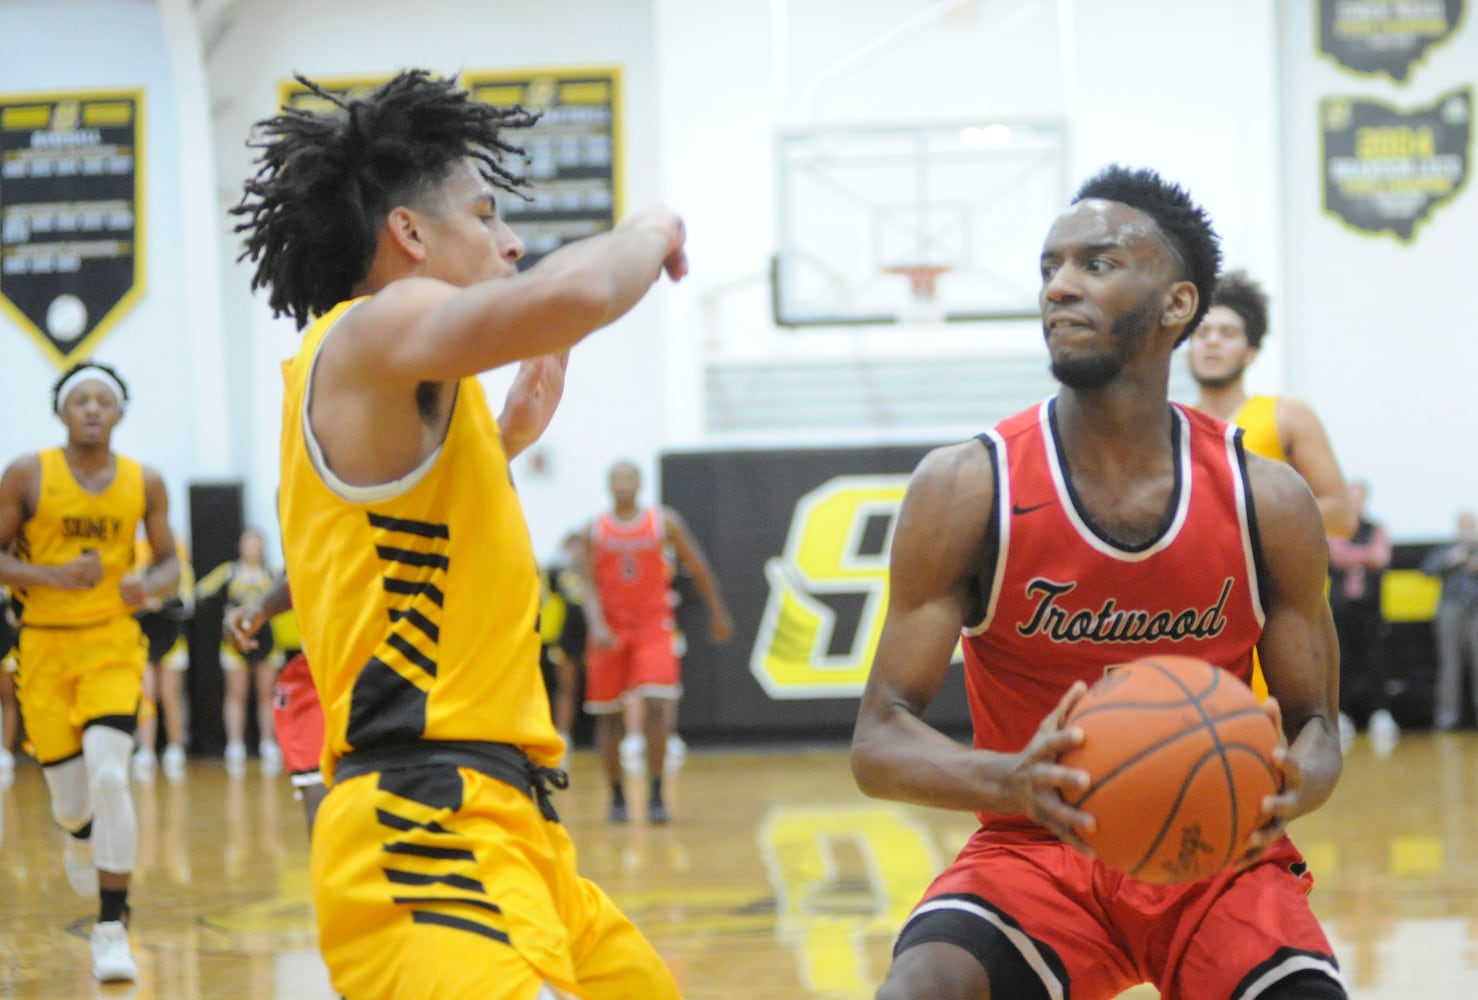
[776,879]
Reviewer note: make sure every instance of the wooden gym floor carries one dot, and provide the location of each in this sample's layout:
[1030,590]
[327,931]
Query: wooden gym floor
[777,879]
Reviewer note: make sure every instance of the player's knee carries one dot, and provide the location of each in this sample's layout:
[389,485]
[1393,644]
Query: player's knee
[107,749]
[71,813]
[936,971]
[1311,984]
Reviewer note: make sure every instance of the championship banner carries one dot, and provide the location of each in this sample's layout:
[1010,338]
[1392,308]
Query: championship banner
[799,540]
[1387,170]
[1385,36]
[71,216]
[572,154]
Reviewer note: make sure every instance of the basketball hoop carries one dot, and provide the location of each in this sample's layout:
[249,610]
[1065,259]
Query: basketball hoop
[923,283]
[923,279]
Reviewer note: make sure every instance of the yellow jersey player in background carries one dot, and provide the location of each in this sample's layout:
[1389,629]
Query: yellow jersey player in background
[1283,428]
[68,517]
[439,867]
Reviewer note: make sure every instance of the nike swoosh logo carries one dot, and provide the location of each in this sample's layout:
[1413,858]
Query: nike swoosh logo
[1016,508]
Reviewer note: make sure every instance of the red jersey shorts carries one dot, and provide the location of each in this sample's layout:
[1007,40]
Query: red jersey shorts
[1085,929]
[297,715]
[640,665]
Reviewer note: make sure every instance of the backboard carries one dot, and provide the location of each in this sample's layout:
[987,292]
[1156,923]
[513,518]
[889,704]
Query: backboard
[914,223]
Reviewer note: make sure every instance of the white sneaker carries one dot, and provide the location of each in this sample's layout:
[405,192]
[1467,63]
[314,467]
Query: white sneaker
[1383,725]
[7,767]
[82,872]
[1346,733]
[112,962]
[174,762]
[271,756]
[143,766]
[235,759]
[677,752]
[634,752]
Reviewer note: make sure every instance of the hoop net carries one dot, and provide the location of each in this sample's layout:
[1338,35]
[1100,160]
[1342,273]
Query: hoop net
[923,279]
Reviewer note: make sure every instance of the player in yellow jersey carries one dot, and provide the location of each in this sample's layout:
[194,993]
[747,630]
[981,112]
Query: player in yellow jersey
[68,517]
[1282,428]
[439,867]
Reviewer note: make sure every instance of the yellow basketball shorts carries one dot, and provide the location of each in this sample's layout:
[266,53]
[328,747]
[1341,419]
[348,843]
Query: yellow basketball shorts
[443,882]
[71,676]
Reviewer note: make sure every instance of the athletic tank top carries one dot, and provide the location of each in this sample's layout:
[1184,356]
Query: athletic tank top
[68,522]
[631,571]
[1062,601]
[418,599]
[1258,419]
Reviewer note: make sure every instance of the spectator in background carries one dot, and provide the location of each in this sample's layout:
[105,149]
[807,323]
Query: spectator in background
[244,580]
[1356,567]
[1457,620]
[163,623]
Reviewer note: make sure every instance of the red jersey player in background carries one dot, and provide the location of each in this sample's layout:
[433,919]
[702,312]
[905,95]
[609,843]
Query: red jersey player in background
[630,659]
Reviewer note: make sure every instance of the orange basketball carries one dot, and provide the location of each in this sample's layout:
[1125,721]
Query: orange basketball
[1180,756]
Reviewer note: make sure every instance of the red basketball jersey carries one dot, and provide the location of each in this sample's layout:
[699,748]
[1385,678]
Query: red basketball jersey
[1064,601]
[629,562]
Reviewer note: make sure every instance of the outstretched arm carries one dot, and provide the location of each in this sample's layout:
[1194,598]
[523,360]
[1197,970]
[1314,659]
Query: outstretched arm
[1298,648]
[692,557]
[423,330]
[937,546]
[1310,452]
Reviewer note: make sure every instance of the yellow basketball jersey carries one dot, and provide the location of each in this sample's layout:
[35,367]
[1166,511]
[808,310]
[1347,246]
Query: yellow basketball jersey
[1258,419]
[418,600]
[70,521]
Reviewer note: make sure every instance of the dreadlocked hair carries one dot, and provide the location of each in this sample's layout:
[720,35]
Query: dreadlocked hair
[1184,224]
[314,208]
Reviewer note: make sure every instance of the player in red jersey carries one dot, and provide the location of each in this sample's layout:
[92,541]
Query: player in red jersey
[630,657]
[1101,526]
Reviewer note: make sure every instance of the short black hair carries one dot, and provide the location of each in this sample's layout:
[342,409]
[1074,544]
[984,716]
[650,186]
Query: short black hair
[1185,225]
[1245,297]
[56,387]
[313,209]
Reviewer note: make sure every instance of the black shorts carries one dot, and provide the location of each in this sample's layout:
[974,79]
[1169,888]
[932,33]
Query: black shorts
[161,631]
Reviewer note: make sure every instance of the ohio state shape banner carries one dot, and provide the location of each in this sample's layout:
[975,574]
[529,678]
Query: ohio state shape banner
[1387,170]
[71,215]
[1385,36]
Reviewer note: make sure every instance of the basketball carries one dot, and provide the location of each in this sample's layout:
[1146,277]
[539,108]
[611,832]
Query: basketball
[1180,755]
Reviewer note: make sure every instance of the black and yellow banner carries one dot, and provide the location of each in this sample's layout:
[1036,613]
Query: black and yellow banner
[572,154]
[71,216]
[1388,170]
[1385,36]
[800,540]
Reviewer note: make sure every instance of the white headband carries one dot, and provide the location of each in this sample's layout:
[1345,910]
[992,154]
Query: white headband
[82,375]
